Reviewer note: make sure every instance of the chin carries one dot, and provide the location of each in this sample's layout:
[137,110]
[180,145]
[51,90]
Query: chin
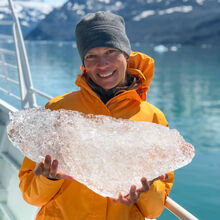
[108,87]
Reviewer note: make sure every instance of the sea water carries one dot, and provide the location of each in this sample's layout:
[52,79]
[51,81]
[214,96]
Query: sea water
[186,87]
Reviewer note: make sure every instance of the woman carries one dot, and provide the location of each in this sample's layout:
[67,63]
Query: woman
[114,82]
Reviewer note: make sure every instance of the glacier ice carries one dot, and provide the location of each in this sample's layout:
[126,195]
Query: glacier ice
[97,149]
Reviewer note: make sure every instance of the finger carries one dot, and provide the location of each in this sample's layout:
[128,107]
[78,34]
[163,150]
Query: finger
[163,177]
[145,184]
[38,170]
[119,199]
[53,169]
[47,162]
[64,176]
[124,200]
[133,194]
[47,165]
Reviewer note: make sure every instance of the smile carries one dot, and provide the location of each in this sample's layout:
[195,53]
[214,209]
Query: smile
[105,75]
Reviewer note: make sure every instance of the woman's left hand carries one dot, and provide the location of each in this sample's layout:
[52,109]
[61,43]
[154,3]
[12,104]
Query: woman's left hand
[134,194]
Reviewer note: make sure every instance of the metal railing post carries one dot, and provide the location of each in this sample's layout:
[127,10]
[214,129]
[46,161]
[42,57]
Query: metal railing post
[5,70]
[178,210]
[28,98]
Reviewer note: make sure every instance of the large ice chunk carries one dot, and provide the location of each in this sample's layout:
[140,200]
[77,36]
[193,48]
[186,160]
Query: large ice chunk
[107,155]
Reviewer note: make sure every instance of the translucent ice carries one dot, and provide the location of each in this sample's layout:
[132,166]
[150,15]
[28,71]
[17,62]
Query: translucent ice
[107,155]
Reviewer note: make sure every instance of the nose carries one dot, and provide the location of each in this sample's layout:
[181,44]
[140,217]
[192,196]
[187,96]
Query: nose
[102,62]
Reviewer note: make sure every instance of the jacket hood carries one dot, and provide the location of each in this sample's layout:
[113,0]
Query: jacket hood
[138,64]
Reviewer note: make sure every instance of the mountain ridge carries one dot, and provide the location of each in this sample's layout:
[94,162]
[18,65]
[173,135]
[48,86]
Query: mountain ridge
[30,13]
[152,21]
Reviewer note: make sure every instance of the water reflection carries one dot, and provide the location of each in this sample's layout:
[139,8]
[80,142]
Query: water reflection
[53,66]
[186,87]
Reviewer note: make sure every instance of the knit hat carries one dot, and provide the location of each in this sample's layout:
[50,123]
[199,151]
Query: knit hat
[101,29]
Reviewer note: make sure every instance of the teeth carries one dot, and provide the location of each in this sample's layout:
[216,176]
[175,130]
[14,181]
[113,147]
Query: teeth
[106,74]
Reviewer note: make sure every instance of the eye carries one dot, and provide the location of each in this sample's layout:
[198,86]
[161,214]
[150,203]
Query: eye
[111,51]
[90,56]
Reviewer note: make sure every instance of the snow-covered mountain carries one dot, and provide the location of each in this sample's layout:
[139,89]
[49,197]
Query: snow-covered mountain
[30,13]
[153,21]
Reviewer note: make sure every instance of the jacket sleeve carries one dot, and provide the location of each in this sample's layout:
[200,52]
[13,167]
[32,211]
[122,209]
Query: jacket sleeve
[36,190]
[151,203]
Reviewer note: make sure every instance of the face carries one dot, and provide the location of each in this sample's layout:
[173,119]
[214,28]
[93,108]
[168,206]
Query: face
[106,66]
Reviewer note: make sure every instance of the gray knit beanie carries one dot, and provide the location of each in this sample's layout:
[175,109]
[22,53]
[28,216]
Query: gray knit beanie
[101,29]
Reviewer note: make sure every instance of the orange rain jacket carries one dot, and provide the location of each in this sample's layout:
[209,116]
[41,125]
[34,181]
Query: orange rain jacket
[71,200]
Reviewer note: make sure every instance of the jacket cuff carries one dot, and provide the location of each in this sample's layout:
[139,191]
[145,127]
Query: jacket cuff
[151,203]
[47,181]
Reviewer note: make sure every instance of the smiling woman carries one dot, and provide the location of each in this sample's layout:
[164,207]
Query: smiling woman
[106,66]
[114,82]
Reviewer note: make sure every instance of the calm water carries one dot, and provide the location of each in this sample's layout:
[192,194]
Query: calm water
[186,87]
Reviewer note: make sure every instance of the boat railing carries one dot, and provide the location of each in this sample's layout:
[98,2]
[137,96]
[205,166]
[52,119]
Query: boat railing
[28,93]
[27,96]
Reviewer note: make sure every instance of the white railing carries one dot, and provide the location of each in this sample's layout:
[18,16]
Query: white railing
[178,210]
[27,91]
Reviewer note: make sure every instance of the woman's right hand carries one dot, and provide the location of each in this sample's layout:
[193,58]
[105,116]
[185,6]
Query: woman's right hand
[49,169]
